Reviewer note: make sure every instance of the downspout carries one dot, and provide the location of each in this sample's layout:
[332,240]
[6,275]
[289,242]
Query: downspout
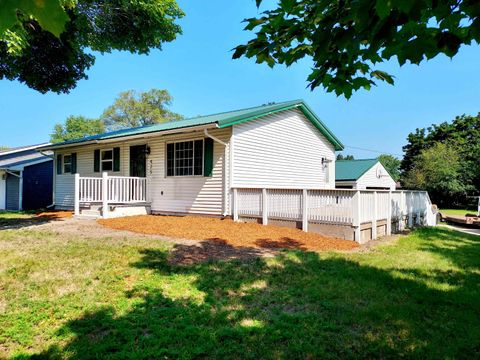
[224,170]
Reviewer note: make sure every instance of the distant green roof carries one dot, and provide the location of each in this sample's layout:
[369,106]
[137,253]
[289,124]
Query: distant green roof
[222,120]
[351,170]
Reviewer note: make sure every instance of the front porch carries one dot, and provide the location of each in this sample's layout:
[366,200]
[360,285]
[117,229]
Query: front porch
[110,196]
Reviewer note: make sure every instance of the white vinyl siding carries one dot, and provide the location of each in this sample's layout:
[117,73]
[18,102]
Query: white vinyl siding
[282,150]
[370,179]
[64,183]
[188,194]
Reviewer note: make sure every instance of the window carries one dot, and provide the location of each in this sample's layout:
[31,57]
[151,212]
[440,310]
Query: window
[67,164]
[107,160]
[185,158]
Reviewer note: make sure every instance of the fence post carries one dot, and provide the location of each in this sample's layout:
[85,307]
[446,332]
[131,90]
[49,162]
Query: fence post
[264,207]
[356,216]
[374,217]
[77,195]
[403,201]
[235,204]
[105,195]
[418,210]
[410,209]
[389,214]
[305,210]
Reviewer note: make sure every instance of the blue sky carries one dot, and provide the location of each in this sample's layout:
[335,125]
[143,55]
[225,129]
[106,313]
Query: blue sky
[198,71]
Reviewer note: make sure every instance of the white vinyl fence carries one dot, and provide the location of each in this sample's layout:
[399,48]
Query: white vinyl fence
[336,207]
[107,190]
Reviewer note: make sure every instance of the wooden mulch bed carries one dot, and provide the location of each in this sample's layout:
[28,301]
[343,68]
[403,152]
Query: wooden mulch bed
[228,232]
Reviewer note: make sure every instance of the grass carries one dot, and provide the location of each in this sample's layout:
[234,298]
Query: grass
[457,212]
[77,298]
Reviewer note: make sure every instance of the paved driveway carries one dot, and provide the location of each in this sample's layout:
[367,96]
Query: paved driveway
[466,230]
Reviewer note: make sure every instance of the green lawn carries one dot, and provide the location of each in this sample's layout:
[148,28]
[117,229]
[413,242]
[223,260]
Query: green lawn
[72,297]
[6,217]
[457,212]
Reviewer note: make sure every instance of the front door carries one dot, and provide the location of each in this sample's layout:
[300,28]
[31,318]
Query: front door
[138,160]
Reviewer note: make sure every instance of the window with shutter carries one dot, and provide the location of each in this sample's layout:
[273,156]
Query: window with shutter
[208,162]
[73,166]
[185,158]
[59,164]
[96,161]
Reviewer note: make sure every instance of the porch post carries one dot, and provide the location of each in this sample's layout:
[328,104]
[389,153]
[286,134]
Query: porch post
[389,214]
[410,209]
[77,195]
[305,210]
[356,216]
[105,195]
[403,207]
[235,204]
[374,215]
[264,207]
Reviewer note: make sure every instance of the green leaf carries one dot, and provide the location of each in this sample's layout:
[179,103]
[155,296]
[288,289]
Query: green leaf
[383,7]
[239,51]
[382,75]
[288,5]
[49,14]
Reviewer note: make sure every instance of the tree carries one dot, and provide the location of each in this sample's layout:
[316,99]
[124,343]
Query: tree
[4,148]
[345,157]
[438,171]
[49,51]
[76,127]
[347,39]
[132,109]
[463,132]
[392,164]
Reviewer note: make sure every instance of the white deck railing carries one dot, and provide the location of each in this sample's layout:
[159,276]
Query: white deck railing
[108,190]
[126,190]
[341,207]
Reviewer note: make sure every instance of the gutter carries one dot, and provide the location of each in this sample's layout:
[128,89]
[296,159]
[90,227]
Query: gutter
[131,137]
[51,156]
[224,170]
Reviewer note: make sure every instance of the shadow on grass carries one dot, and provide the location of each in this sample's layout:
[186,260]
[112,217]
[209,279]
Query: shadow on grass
[298,305]
[12,220]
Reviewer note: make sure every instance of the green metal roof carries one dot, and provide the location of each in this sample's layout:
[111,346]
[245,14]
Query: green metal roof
[222,120]
[351,170]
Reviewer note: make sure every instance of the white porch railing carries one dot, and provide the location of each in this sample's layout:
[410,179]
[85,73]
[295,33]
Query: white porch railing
[341,207]
[107,190]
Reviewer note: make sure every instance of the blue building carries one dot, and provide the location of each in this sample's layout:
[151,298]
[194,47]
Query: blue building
[26,178]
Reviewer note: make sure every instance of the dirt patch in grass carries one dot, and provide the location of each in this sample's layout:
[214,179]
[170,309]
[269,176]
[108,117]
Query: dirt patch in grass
[228,232]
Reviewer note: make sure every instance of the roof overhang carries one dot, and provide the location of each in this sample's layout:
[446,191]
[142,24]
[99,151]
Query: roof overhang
[21,149]
[19,166]
[130,137]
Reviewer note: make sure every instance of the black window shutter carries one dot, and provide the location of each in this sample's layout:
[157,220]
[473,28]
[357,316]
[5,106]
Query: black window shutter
[96,161]
[74,163]
[208,160]
[116,159]
[59,164]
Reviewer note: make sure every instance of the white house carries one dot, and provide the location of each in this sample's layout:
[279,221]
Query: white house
[363,174]
[192,165]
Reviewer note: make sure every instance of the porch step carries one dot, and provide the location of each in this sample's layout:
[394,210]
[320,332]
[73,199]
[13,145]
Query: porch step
[90,213]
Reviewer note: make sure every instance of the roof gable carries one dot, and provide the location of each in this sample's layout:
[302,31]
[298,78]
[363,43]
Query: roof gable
[222,120]
[352,170]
